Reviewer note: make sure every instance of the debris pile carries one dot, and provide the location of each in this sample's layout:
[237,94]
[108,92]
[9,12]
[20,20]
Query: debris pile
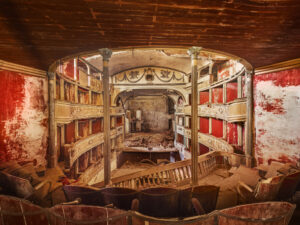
[148,140]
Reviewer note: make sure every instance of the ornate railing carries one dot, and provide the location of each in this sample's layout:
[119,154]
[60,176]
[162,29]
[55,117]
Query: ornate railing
[234,111]
[173,174]
[75,150]
[66,112]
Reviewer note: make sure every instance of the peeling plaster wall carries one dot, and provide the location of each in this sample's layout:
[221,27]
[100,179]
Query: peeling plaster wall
[277,116]
[154,111]
[23,117]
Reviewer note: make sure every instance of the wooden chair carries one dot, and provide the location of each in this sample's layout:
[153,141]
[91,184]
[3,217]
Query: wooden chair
[265,190]
[20,187]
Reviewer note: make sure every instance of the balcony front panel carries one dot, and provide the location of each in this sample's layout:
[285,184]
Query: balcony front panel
[187,110]
[237,111]
[179,110]
[180,130]
[116,110]
[83,145]
[113,133]
[119,130]
[188,133]
[66,112]
[218,111]
[214,143]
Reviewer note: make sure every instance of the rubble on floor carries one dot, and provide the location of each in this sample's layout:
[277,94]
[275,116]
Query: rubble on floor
[151,141]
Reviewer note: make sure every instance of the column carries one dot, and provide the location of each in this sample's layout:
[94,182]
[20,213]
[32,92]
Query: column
[194,52]
[249,120]
[52,162]
[106,54]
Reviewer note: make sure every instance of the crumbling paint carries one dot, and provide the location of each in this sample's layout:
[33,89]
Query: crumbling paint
[23,117]
[217,95]
[68,69]
[70,133]
[203,97]
[232,135]
[277,110]
[231,92]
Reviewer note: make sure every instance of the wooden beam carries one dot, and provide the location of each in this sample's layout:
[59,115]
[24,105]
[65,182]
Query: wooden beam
[106,54]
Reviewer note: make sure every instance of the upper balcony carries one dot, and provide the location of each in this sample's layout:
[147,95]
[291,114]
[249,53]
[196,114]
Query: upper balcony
[234,111]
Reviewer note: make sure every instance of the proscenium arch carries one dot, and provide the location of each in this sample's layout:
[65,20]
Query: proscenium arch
[148,88]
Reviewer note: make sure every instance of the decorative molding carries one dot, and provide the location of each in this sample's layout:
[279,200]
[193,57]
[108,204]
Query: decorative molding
[66,112]
[149,75]
[237,110]
[25,70]
[286,65]
[218,111]
[179,110]
[232,112]
[214,143]
[116,111]
[180,130]
[75,150]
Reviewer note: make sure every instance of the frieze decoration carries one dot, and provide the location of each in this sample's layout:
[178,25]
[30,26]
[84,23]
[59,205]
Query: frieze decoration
[214,143]
[180,130]
[75,150]
[149,74]
[66,112]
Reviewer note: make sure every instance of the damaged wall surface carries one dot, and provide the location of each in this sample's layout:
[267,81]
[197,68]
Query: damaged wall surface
[23,117]
[277,110]
[154,111]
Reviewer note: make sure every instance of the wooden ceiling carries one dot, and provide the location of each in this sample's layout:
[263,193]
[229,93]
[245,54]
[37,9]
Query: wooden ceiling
[38,32]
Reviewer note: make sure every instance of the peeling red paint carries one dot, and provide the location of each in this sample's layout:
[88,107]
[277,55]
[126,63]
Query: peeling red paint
[23,117]
[217,95]
[68,69]
[283,78]
[96,126]
[231,92]
[203,97]
[270,104]
[232,134]
[203,149]
[277,110]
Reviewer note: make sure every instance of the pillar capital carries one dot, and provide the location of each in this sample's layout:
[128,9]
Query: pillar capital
[106,53]
[51,75]
[194,51]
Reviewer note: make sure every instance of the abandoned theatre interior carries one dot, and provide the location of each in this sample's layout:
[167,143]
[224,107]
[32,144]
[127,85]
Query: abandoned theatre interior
[149,112]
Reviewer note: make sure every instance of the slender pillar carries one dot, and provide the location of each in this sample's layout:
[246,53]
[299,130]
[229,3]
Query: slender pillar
[249,120]
[106,54]
[194,52]
[52,126]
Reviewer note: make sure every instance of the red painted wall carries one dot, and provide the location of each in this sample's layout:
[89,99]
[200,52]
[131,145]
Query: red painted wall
[68,69]
[203,97]
[70,133]
[96,126]
[217,128]
[23,117]
[203,149]
[232,134]
[231,92]
[217,95]
[204,125]
[277,111]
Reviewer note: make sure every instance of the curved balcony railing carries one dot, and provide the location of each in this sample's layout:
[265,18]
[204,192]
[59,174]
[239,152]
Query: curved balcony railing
[234,111]
[66,112]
